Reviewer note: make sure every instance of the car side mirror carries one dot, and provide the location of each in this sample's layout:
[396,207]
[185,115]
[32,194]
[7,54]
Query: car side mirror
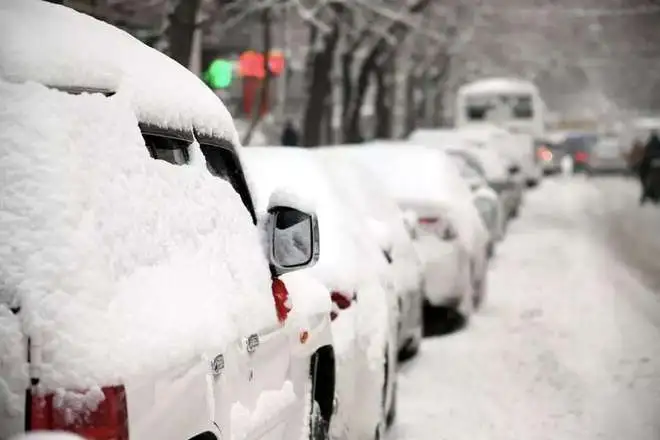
[293,239]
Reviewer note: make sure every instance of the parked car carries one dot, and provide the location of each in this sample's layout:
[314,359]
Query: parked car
[549,154]
[486,199]
[608,156]
[484,154]
[454,239]
[359,187]
[516,148]
[352,264]
[137,301]
[503,178]
[579,145]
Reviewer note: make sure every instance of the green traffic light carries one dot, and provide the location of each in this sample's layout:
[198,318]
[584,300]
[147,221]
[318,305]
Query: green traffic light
[219,74]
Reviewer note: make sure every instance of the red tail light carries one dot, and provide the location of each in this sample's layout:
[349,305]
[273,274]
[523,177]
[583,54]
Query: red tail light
[282,302]
[544,154]
[341,301]
[581,156]
[108,420]
[428,220]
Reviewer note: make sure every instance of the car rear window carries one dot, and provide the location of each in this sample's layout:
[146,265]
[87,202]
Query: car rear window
[579,143]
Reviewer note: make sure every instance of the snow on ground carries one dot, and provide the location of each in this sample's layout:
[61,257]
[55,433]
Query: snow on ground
[566,346]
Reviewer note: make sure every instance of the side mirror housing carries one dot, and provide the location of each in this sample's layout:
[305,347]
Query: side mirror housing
[293,239]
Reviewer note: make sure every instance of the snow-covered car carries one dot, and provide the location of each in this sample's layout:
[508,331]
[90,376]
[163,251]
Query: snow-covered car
[351,265]
[358,186]
[453,239]
[494,170]
[476,146]
[137,298]
[485,198]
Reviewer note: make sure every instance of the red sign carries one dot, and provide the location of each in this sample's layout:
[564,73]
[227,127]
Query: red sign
[251,64]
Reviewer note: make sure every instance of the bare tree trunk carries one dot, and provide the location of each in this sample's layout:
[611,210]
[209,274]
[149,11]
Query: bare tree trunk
[181,31]
[328,135]
[354,129]
[264,90]
[347,91]
[320,86]
[384,100]
[409,104]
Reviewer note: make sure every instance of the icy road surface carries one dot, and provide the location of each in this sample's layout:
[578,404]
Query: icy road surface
[567,346]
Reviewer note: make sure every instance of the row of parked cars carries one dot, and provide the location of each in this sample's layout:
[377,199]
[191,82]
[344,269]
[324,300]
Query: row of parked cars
[161,281]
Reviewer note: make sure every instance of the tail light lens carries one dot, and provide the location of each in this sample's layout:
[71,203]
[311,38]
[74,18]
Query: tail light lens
[282,302]
[581,156]
[340,301]
[108,420]
[544,154]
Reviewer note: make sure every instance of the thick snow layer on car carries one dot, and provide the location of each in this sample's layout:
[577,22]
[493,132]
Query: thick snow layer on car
[293,172]
[122,265]
[270,404]
[58,46]
[419,175]
[492,162]
[359,187]
[350,260]
[497,85]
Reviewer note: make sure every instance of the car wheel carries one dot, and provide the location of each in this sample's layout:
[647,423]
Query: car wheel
[322,389]
[412,347]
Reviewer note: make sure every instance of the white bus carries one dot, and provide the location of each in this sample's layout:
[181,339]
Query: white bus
[510,103]
[513,106]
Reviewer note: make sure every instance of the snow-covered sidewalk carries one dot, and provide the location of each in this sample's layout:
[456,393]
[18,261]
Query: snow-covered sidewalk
[567,346]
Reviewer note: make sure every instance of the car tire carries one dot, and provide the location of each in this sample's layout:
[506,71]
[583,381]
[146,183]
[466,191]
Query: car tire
[322,386]
[412,347]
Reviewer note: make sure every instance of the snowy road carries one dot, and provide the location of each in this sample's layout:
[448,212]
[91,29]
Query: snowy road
[568,344]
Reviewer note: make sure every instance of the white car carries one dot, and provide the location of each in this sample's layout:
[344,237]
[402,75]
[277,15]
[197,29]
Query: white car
[137,301]
[483,154]
[351,264]
[485,198]
[359,187]
[454,242]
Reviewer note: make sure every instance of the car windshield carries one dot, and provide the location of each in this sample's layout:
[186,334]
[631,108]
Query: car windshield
[510,106]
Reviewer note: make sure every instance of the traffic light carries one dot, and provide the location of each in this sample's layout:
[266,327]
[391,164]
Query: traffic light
[220,73]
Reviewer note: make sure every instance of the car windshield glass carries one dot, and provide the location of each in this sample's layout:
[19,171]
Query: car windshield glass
[507,106]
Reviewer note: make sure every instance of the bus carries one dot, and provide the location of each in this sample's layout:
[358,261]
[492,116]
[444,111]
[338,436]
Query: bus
[510,103]
[513,106]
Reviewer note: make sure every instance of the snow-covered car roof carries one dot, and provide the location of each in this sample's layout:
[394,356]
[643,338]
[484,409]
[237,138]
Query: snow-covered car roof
[297,172]
[417,175]
[411,172]
[358,185]
[124,265]
[59,47]
[497,85]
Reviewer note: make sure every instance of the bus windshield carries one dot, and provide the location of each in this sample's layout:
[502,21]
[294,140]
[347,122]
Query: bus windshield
[500,106]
